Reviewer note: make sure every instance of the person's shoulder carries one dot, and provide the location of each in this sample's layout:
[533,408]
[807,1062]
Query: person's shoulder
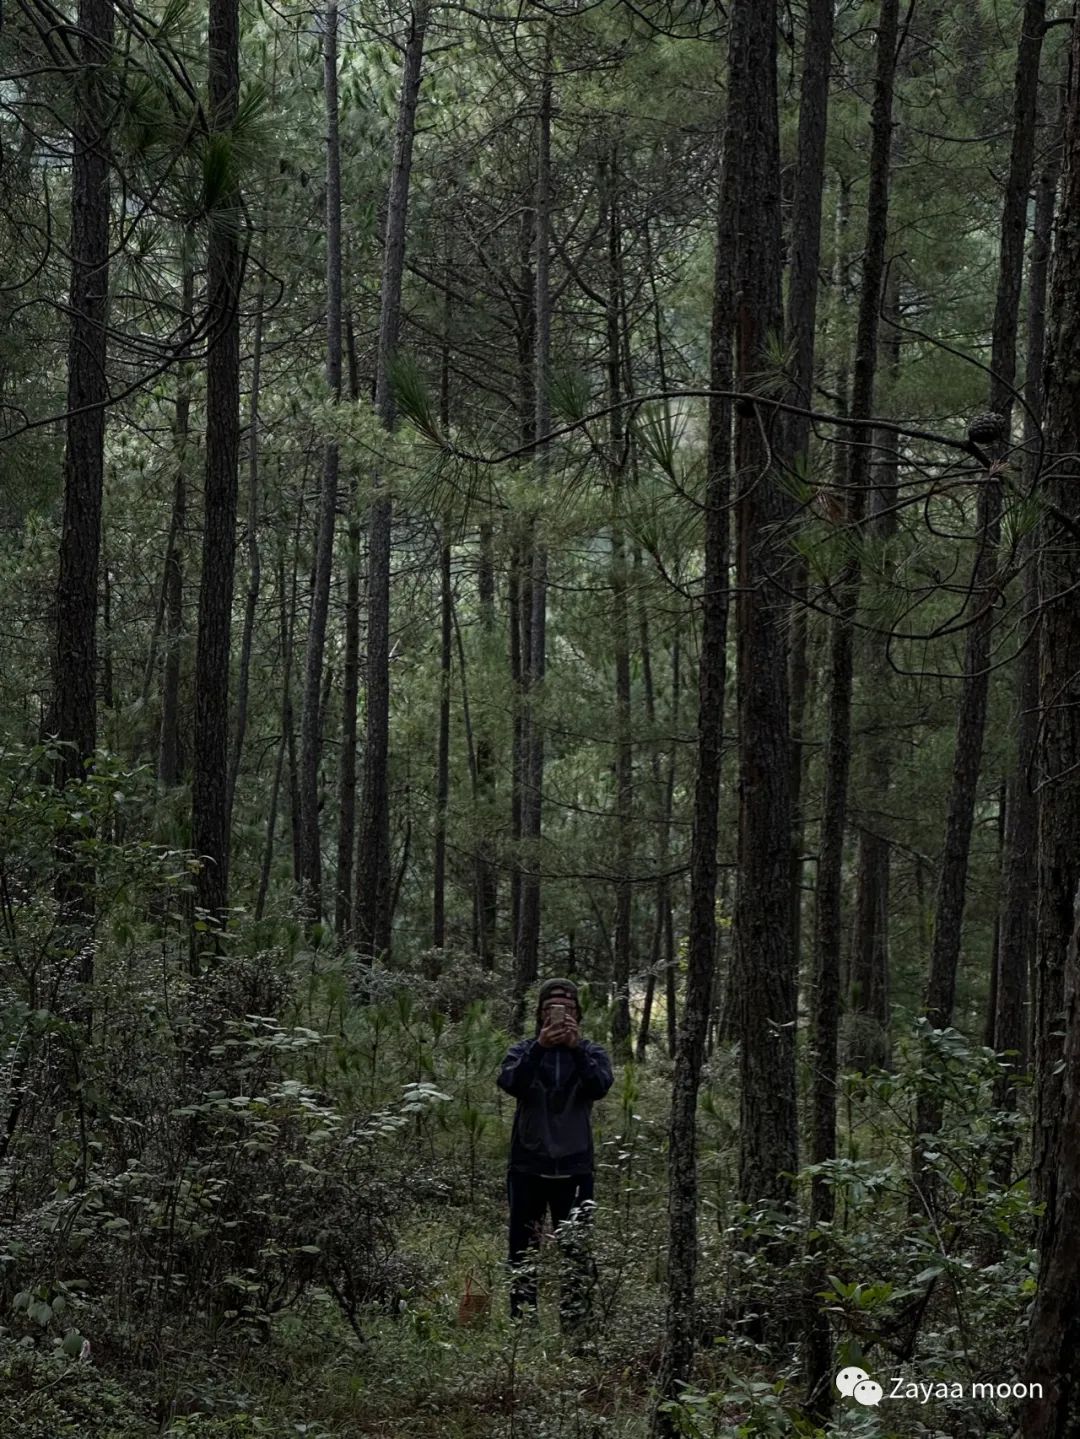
[594,1046]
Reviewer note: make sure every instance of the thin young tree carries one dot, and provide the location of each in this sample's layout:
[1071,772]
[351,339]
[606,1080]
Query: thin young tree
[828,908]
[76,678]
[374,890]
[801,335]
[535,587]
[985,584]
[311,713]
[209,794]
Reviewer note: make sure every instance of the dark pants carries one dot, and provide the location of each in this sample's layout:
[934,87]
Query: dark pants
[531,1197]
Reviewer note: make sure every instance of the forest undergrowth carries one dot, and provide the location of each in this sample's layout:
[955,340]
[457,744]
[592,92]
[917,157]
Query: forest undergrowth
[270,1188]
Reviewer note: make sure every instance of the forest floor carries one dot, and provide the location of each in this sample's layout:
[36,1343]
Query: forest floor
[409,1368]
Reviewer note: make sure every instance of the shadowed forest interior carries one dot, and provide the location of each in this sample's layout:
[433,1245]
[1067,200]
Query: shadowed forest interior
[491,492]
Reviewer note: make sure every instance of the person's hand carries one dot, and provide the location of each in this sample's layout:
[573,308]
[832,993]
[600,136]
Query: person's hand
[551,1034]
[571,1036]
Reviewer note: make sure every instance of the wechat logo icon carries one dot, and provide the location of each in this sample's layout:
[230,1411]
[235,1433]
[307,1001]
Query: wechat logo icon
[855,1383]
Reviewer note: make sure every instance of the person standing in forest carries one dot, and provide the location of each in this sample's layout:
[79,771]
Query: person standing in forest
[555,1077]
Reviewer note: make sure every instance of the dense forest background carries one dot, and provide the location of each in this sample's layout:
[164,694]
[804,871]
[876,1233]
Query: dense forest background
[494,491]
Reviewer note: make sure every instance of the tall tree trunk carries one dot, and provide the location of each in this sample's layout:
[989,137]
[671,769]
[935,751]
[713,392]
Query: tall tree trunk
[310,736]
[624,752]
[1016,935]
[828,910]
[517,590]
[287,629]
[374,897]
[210,826]
[745,57]
[764,959]
[670,977]
[446,615]
[868,990]
[75,692]
[535,616]
[663,790]
[251,603]
[350,693]
[1054,1336]
[801,332]
[486,893]
[985,587]
[442,764]
[169,763]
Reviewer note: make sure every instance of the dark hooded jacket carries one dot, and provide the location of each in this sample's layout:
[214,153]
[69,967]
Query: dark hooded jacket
[555,1090]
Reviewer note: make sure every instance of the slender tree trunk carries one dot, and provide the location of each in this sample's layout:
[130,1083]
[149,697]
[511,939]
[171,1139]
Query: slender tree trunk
[663,794]
[528,940]
[746,54]
[828,911]
[670,977]
[514,608]
[310,737]
[868,990]
[251,603]
[75,682]
[446,615]
[350,693]
[486,895]
[825,1000]
[287,604]
[624,752]
[210,825]
[1054,1336]
[986,585]
[517,589]
[374,895]
[1016,935]
[801,332]
[442,767]
[169,764]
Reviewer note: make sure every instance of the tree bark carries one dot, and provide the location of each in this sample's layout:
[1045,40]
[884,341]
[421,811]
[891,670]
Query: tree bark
[446,616]
[801,333]
[442,763]
[535,612]
[486,891]
[210,826]
[624,751]
[750,51]
[985,586]
[169,763]
[374,897]
[868,988]
[251,602]
[287,629]
[828,910]
[1016,935]
[764,959]
[517,590]
[350,693]
[75,680]
[825,999]
[310,737]
[1054,1335]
